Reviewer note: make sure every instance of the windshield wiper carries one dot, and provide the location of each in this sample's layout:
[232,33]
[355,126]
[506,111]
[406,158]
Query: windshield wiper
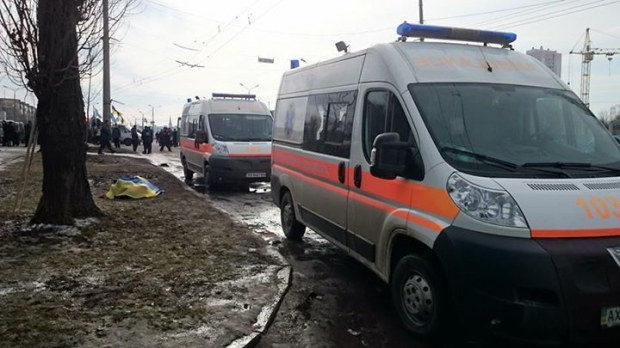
[482,158]
[499,162]
[563,165]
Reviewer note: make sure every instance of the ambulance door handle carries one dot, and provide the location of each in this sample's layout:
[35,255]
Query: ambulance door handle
[341,172]
[357,176]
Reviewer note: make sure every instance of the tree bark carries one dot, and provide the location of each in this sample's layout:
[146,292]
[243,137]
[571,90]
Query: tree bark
[60,116]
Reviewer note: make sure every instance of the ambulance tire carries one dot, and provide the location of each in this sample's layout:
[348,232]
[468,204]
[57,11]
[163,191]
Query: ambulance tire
[293,229]
[209,184]
[419,293]
[188,174]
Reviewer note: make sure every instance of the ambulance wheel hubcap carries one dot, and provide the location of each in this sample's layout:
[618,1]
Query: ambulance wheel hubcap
[418,299]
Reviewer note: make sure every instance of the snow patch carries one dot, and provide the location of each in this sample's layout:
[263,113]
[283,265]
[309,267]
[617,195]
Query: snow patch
[81,223]
[200,331]
[28,286]
[69,231]
[242,342]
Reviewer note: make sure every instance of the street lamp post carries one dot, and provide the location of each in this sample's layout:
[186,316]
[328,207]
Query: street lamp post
[153,114]
[249,89]
[14,101]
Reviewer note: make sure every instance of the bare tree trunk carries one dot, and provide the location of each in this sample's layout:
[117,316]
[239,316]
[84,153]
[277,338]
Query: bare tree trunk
[60,115]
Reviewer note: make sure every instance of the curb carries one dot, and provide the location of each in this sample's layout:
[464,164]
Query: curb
[253,339]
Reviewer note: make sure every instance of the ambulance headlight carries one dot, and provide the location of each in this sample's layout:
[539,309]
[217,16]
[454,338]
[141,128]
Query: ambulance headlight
[220,150]
[495,207]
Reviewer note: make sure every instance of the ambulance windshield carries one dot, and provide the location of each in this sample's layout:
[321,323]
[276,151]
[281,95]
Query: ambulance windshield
[241,127]
[521,125]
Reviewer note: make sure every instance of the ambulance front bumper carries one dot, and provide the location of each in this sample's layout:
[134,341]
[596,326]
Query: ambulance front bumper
[240,169]
[549,292]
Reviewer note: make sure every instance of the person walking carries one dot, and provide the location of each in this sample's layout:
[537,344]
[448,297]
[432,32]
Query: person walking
[5,133]
[27,130]
[147,139]
[135,139]
[104,139]
[116,136]
[175,137]
[165,139]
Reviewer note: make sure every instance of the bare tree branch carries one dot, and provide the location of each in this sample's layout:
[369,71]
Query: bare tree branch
[19,40]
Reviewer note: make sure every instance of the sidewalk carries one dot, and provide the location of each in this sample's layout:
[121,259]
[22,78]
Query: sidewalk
[8,154]
[166,272]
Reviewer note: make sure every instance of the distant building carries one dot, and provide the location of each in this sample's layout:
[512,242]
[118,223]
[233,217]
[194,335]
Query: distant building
[552,59]
[16,110]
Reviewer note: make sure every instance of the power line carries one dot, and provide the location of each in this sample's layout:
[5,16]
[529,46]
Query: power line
[176,69]
[491,12]
[183,12]
[610,35]
[557,14]
[523,13]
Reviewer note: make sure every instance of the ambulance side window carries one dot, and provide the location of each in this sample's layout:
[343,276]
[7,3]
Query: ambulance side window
[192,124]
[184,127]
[329,123]
[383,113]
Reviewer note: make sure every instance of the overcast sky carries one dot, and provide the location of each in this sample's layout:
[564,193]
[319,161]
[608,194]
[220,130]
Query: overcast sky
[227,37]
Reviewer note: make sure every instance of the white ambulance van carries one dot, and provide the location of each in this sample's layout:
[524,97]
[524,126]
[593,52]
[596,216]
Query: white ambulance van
[467,176]
[227,139]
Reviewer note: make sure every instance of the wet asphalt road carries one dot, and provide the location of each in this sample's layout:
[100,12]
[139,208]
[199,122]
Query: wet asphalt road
[333,301]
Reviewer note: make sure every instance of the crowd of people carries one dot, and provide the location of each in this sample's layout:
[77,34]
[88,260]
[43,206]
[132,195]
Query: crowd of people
[106,136]
[15,133]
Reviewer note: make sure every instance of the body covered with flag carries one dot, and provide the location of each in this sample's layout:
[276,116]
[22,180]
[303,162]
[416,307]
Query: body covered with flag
[135,187]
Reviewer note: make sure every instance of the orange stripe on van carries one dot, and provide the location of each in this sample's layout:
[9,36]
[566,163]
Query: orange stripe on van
[334,189]
[253,155]
[577,233]
[364,200]
[306,165]
[426,198]
[188,145]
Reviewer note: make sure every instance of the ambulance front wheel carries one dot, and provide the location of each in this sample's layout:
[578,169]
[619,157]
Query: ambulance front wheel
[188,174]
[293,229]
[419,295]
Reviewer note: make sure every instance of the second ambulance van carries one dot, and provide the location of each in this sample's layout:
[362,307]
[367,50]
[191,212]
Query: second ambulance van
[467,176]
[227,139]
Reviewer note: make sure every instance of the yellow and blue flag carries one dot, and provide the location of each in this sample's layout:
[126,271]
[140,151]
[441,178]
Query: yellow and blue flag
[118,115]
[135,187]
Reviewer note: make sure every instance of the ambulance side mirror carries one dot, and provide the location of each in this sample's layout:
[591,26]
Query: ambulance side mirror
[388,158]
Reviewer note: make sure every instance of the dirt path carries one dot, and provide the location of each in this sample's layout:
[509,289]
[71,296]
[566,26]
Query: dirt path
[165,272]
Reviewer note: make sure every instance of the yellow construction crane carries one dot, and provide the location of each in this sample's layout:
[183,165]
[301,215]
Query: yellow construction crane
[588,54]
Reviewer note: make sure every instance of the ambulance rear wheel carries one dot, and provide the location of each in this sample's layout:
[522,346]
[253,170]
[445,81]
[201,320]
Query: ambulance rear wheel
[419,295]
[293,229]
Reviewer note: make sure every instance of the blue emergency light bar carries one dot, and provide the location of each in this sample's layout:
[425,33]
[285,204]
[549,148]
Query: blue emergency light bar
[458,34]
[234,96]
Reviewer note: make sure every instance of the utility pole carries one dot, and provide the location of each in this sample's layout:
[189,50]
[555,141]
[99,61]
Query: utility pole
[249,89]
[421,13]
[588,54]
[106,62]
[153,114]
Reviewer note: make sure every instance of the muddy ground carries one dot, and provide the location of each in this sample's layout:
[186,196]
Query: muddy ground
[333,301]
[162,272]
